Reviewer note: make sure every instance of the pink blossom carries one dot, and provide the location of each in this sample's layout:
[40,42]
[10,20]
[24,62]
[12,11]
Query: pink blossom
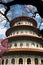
[3,46]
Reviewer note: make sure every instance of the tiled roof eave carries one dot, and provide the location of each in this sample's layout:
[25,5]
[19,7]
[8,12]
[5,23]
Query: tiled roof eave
[25,17]
[20,27]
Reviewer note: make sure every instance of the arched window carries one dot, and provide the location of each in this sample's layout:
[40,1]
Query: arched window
[33,44]
[13,61]
[2,61]
[15,44]
[21,44]
[19,23]
[6,61]
[36,60]
[37,45]
[41,61]
[28,61]
[20,61]
[27,44]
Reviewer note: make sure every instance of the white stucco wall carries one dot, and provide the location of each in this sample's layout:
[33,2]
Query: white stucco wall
[25,44]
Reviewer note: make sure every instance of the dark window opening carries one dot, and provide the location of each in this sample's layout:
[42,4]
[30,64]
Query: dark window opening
[21,44]
[20,61]
[2,61]
[41,61]
[6,61]
[36,61]
[28,61]
[37,45]
[19,23]
[13,61]
[15,44]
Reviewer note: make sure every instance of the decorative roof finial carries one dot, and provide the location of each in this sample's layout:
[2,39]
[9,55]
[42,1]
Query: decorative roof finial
[22,13]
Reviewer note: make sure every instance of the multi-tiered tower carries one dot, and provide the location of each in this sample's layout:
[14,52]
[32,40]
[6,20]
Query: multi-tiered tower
[25,45]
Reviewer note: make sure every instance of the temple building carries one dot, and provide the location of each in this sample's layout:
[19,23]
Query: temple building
[25,44]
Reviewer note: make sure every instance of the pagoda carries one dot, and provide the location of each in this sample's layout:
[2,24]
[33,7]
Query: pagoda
[25,44]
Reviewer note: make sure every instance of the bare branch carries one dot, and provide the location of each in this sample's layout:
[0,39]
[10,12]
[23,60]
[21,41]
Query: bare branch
[37,3]
[4,16]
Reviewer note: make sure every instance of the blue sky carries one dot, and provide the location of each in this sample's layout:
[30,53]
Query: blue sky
[15,11]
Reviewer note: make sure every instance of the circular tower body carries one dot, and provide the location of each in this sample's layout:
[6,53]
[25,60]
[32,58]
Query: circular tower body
[25,45]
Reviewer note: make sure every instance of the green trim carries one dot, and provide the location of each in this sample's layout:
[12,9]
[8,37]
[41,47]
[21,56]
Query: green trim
[23,53]
[28,40]
[25,29]
[23,20]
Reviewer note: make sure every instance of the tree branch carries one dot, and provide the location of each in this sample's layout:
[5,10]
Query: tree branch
[4,16]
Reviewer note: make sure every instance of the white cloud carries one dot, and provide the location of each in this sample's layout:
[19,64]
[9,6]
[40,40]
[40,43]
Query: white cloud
[2,10]
[2,30]
[42,23]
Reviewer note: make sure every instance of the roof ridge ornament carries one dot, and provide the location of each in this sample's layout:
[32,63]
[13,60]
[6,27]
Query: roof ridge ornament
[22,13]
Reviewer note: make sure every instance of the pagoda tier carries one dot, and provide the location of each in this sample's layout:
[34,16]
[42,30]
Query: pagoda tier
[23,30]
[23,20]
[24,41]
